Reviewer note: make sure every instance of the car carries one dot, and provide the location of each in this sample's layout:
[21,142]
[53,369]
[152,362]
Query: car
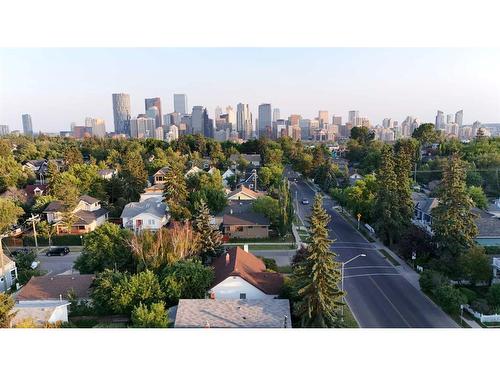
[57,251]
[305,201]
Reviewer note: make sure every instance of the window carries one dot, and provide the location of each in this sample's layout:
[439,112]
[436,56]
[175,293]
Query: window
[243,296]
[239,229]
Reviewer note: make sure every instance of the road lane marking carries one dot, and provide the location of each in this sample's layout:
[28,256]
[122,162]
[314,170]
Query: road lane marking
[390,302]
[353,268]
[372,274]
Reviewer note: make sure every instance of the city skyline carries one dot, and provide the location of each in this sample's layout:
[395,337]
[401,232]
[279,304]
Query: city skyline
[379,83]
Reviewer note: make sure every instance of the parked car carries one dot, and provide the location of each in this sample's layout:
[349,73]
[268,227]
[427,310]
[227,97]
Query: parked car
[305,201]
[57,251]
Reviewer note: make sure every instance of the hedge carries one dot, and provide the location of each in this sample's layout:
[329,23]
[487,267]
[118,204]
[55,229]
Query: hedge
[62,240]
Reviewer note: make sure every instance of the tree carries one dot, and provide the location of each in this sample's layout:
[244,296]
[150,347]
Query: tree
[405,157]
[73,156]
[478,197]
[475,265]
[107,247]
[389,221]
[210,239]
[362,134]
[286,208]
[493,296]
[269,207]
[426,134]
[186,279]
[64,187]
[134,175]
[450,299]
[6,305]
[317,278]
[153,316]
[360,198]
[9,214]
[102,290]
[176,194]
[453,222]
[11,173]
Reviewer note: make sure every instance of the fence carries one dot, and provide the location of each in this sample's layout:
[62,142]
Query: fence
[483,318]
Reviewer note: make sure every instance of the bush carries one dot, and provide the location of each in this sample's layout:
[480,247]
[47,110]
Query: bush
[481,305]
[270,264]
[431,280]
[153,316]
[469,294]
[493,296]
[492,250]
[450,299]
[62,240]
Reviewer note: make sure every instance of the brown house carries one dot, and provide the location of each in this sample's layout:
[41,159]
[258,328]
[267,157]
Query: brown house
[245,225]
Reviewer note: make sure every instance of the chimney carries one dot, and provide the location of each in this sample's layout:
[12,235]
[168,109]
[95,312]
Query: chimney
[245,247]
[228,258]
[212,295]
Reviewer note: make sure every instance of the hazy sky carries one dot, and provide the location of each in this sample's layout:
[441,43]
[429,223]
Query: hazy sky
[58,86]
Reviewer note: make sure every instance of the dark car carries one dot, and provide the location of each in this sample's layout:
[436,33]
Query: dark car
[57,251]
[305,201]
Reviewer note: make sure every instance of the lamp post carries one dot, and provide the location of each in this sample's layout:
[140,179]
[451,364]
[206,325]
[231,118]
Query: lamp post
[342,278]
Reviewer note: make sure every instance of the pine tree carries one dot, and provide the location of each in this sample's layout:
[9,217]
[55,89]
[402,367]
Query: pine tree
[210,238]
[387,206]
[175,193]
[453,222]
[405,155]
[317,278]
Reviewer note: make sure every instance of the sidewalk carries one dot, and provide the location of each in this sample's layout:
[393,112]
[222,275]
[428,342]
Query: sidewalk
[471,323]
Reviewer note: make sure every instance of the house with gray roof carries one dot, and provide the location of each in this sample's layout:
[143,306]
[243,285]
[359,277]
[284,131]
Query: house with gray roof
[149,214]
[239,313]
[245,224]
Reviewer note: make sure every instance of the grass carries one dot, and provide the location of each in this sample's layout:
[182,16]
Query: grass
[287,238]
[349,320]
[277,247]
[389,257]
[285,269]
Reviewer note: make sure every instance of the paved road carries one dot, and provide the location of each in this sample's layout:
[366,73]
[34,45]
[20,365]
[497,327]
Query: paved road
[55,265]
[377,294]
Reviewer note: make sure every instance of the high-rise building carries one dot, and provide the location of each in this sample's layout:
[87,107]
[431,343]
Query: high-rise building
[4,130]
[121,113]
[276,114]
[459,117]
[197,121]
[97,125]
[450,118]
[154,102]
[323,118]
[440,120]
[353,115]
[231,117]
[27,125]
[244,123]
[217,113]
[337,120]
[180,103]
[142,127]
[294,120]
[265,121]
[208,125]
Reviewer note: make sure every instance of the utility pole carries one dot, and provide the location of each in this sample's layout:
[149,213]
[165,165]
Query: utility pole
[33,220]
[2,236]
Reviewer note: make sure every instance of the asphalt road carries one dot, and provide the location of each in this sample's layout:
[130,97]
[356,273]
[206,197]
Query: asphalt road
[55,265]
[378,295]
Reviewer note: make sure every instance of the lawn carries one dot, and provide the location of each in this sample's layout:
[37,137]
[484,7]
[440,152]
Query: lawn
[389,257]
[277,247]
[349,320]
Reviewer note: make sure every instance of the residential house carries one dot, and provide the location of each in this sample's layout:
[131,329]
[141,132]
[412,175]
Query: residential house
[40,168]
[106,174]
[45,299]
[354,177]
[241,275]
[226,175]
[8,275]
[245,225]
[36,190]
[213,313]
[88,213]
[154,191]
[244,193]
[496,270]
[252,159]
[194,170]
[494,208]
[15,194]
[159,176]
[422,215]
[149,214]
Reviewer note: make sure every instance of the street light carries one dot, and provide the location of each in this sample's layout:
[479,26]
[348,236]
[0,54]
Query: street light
[342,278]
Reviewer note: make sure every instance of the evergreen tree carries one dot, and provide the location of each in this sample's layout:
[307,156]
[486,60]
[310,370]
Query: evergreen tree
[405,156]
[317,278]
[175,193]
[286,208]
[134,175]
[453,222]
[210,238]
[387,207]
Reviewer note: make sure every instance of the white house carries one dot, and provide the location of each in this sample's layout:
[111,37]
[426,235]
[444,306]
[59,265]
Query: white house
[243,193]
[227,174]
[149,214]
[155,191]
[8,274]
[106,174]
[354,177]
[193,170]
[241,275]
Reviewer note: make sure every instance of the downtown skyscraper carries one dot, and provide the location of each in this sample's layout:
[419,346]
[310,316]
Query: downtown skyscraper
[27,125]
[121,113]
[265,121]
[180,103]
[244,121]
[197,120]
[154,102]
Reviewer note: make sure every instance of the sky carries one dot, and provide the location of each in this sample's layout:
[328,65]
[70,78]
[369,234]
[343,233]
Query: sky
[58,86]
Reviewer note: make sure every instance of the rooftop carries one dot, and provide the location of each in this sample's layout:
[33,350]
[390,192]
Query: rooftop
[212,313]
[243,189]
[245,218]
[55,287]
[151,206]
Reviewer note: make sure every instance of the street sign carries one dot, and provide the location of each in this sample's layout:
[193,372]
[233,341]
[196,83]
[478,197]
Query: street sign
[359,216]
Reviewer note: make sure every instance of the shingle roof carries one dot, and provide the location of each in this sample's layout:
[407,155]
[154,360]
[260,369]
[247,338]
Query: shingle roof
[161,171]
[87,217]
[57,206]
[237,262]
[248,157]
[54,287]
[245,218]
[150,206]
[243,189]
[88,199]
[213,313]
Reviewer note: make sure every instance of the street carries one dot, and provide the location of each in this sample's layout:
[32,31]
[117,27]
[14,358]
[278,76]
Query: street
[378,295]
[55,265]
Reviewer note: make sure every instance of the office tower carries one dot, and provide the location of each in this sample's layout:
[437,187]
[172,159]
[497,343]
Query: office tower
[313,128]
[97,125]
[387,123]
[121,113]
[159,134]
[142,127]
[276,114]
[304,128]
[353,115]
[231,117]
[217,113]
[180,103]
[4,130]
[337,120]
[174,132]
[153,112]
[323,118]
[439,120]
[27,125]
[450,118]
[154,102]
[244,123]
[294,120]
[197,123]
[459,117]
[167,120]
[208,125]
[264,121]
